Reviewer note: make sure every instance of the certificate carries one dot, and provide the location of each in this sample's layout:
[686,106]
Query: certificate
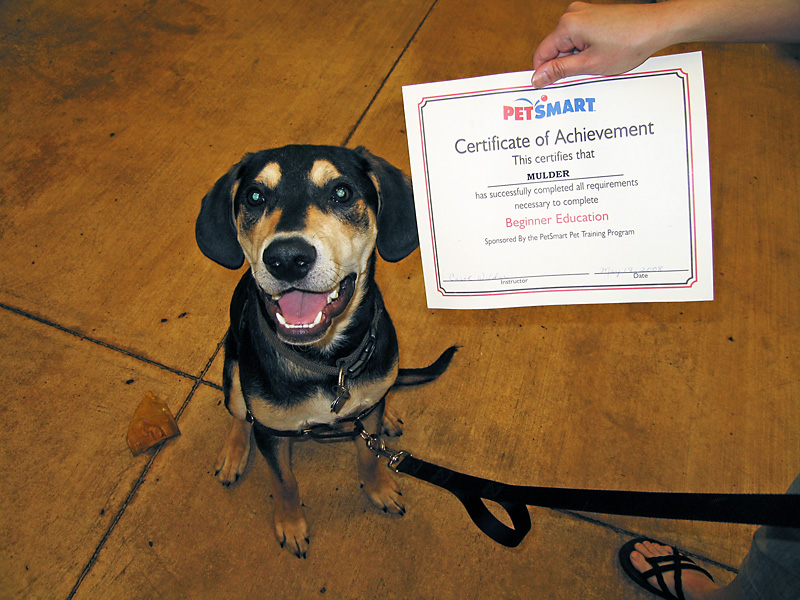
[592,190]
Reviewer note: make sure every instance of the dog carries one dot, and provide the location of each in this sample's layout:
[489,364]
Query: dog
[310,343]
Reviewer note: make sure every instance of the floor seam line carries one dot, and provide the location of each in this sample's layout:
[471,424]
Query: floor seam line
[633,534]
[200,379]
[86,338]
[117,518]
[141,479]
[211,384]
[388,74]
[197,381]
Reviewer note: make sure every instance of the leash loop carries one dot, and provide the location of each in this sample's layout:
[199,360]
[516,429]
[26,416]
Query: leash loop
[510,537]
[471,497]
[778,510]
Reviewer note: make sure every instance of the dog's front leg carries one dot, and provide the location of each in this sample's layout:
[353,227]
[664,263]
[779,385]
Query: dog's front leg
[232,459]
[291,529]
[379,486]
[392,423]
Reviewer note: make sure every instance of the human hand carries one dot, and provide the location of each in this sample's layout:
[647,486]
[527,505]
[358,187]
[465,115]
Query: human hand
[597,39]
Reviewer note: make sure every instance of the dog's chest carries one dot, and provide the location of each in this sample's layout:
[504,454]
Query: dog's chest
[315,408]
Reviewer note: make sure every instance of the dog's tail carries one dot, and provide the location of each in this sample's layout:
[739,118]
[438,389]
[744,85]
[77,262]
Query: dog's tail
[409,377]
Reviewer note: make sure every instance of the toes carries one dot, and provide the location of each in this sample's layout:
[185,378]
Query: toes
[392,424]
[232,459]
[397,509]
[645,551]
[639,562]
[293,537]
[385,496]
[650,549]
[228,473]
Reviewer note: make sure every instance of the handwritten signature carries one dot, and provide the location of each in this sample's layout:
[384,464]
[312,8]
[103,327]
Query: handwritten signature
[629,270]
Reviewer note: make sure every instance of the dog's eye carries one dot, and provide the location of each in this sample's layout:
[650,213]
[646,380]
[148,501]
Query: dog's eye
[341,193]
[254,197]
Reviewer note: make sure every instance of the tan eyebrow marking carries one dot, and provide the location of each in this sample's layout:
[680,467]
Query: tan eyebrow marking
[270,175]
[323,171]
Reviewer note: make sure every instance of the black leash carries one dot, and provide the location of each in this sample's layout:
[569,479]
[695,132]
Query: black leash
[780,510]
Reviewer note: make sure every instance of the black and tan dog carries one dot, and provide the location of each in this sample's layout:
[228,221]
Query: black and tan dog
[310,342]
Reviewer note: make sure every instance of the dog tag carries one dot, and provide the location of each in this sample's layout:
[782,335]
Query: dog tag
[342,394]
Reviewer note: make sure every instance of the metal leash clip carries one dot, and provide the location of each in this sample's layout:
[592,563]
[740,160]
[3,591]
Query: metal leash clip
[376,444]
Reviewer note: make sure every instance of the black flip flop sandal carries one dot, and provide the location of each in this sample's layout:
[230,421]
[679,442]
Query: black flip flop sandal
[675,563]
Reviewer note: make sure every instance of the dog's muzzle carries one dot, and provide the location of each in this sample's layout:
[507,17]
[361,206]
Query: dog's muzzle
[302,316]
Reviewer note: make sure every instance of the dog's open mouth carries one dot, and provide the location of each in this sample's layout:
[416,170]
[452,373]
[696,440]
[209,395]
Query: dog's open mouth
[303,317]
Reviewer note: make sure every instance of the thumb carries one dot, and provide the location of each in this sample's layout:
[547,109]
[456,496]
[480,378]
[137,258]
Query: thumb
[558,68]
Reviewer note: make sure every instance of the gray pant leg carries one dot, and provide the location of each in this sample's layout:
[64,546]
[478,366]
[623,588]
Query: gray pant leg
[771,570]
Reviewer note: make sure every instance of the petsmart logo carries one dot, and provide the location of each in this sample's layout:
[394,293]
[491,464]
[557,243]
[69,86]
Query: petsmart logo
[543,109]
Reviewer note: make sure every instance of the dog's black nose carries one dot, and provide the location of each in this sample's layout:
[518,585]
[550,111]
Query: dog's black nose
[289,259]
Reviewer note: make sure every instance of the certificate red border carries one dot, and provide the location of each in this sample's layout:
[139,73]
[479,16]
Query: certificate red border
[694,272]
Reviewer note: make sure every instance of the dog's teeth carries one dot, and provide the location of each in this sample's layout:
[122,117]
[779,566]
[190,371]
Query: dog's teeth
[333,295]
[283,323]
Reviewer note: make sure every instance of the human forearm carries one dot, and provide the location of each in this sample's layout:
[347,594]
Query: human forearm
[605,39]
[733,20]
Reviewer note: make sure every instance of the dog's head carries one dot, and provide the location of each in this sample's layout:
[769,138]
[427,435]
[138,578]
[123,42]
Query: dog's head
[308,220]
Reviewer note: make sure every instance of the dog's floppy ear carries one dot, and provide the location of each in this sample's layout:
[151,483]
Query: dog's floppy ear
[397,220]
[215,230]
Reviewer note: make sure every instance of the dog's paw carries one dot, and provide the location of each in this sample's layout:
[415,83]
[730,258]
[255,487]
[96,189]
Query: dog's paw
[392,423]
[384,493]
[232,459]
[291,531]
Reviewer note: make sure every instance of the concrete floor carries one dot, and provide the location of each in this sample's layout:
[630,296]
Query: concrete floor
[119,116]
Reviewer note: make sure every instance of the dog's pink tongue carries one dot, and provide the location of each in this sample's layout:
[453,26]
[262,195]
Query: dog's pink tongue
[300,308]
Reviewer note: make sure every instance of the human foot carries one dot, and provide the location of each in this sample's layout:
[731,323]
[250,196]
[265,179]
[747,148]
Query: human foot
[663,571]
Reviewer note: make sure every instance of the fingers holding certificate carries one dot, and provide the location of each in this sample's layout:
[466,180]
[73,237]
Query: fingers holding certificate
[592,190]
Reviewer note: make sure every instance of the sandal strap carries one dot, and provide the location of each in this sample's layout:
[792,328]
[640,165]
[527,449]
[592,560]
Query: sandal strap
[677,563]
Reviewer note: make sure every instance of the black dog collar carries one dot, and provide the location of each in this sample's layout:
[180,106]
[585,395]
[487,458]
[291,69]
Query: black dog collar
[345,369]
